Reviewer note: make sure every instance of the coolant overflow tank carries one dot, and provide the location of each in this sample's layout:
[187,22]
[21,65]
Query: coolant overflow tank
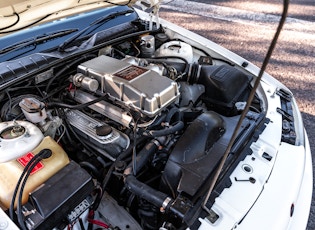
[176,49]
[12,170]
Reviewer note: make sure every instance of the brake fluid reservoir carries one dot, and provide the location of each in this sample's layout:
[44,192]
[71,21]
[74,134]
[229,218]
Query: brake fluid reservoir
[33,109]
[12,170]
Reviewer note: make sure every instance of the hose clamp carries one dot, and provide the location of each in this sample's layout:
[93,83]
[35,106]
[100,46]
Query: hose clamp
[165,204]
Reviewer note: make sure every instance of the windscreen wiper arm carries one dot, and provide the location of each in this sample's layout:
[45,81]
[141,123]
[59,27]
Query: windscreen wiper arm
[100,20]
[36,40]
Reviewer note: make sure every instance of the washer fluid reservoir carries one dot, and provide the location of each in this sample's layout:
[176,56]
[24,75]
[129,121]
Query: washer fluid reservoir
[12,170]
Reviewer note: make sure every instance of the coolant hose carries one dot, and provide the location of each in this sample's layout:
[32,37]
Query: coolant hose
[139,188]
[170,114]
[144,191]
[143,157]
[166,131]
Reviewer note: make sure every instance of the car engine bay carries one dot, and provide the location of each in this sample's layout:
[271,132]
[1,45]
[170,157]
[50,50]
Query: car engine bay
[125,137]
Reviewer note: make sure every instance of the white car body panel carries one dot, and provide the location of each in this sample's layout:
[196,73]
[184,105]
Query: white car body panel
[289,168]
[284,180]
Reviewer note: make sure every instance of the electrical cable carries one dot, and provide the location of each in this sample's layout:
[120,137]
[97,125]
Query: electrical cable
[10,104]
[62,134]
[14,23]
[43,154]
[24,27]
[134,150]
[41,19]
[11,210]
[79,106]
[116,4]
[68,66]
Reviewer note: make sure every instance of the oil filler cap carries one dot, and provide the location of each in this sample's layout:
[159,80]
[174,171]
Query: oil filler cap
[103,130]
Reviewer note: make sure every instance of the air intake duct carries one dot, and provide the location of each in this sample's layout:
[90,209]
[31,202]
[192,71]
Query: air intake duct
[191,161]
[224,86]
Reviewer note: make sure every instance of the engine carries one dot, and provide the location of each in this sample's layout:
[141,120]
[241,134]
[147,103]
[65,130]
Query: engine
[128,137]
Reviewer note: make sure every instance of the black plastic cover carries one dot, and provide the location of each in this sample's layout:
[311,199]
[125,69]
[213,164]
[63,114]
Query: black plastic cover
[224,86]
[57,197]
[190,162]
[12,69]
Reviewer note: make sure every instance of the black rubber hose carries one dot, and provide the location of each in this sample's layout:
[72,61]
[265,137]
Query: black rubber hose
[170,114]
[139,188]
[143,157]
[126,153]
[166,131]
[144,191]
[158,121]
[89,166]
[108,175]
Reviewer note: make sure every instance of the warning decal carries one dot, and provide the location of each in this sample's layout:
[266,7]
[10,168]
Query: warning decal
[26,158]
